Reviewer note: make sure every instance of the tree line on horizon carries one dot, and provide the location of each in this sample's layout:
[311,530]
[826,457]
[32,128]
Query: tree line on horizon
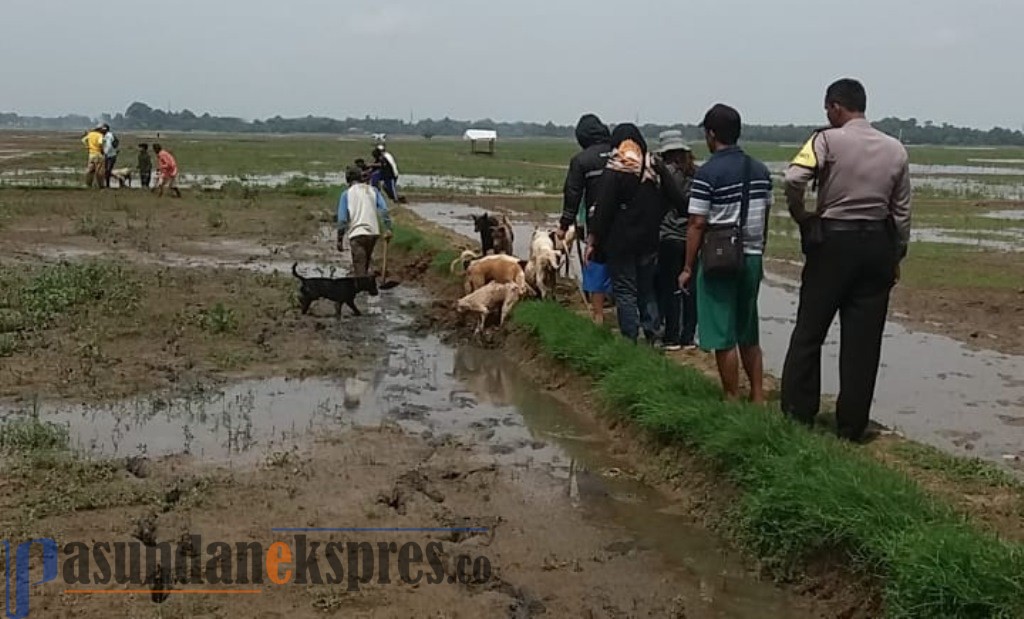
[140,117]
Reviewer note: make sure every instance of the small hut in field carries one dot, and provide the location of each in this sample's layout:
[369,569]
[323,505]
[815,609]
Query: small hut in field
[481,141]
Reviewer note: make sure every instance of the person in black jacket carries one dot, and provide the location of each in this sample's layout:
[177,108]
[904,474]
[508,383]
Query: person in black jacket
[581,183]
[627,216]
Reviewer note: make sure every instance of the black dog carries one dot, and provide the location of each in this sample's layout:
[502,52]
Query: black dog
[342,291]
[485,224]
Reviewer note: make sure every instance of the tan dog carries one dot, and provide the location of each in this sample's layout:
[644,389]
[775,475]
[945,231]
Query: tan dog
[488,298]
[498,268]
[544,263]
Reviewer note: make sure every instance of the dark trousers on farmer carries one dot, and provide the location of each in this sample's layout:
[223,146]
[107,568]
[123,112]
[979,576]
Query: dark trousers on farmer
[678,308]
[145,178]
[110,163]
[362,254]
[635,301]
[851,272]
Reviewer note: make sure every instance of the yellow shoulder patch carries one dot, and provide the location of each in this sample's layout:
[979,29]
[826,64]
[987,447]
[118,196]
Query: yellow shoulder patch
[806,158]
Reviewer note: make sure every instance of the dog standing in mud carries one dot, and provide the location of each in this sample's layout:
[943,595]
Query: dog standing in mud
[342,290]
[496,235]
[488,298]
[541,271]
[499,268]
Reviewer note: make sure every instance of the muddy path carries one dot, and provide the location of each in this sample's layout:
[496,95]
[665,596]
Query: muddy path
[931,388]
[229,423]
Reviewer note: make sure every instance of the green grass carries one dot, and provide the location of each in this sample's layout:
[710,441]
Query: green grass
[414,241]
[960,470]
[803,494]
[32,301]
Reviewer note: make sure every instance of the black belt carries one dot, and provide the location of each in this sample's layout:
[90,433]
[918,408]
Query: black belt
[863,225]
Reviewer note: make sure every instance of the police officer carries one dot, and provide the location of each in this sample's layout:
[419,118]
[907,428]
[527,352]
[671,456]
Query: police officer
[853,241]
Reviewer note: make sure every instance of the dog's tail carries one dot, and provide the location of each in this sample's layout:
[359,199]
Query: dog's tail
[295,271]
[464,259]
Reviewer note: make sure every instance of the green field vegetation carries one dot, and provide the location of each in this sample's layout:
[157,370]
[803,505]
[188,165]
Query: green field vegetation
[805,495]
[533,163]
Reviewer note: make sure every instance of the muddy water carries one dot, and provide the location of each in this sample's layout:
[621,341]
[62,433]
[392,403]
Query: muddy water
[465,394]
[931,388]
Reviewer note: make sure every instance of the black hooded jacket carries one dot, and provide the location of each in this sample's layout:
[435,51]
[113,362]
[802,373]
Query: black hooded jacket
[628,212]
[585,168]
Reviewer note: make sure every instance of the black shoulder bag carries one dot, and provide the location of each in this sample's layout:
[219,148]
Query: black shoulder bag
[722,252]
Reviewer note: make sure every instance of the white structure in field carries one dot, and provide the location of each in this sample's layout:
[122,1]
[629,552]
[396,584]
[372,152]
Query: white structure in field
[481,140]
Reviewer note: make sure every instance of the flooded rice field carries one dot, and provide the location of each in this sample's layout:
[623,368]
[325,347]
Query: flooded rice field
[932,388]
[445,395]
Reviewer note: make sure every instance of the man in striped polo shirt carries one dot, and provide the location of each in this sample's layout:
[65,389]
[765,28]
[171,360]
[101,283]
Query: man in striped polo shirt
[727,304]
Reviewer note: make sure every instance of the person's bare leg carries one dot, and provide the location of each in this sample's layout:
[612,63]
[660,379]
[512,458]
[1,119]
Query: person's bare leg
[753,365]
[597,307]
[729,371]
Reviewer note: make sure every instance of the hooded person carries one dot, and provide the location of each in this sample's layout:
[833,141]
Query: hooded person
[627,217]
[581,184]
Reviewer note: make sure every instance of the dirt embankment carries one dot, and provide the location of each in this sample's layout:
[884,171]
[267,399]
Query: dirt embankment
[548,558]
[157,320]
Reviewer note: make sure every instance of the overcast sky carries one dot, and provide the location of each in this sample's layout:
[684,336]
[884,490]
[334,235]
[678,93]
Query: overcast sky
[958,61]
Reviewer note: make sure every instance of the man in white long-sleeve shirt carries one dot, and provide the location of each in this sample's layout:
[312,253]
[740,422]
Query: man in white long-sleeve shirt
[358,211]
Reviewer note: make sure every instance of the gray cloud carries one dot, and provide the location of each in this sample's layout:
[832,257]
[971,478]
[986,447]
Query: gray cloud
[946,60]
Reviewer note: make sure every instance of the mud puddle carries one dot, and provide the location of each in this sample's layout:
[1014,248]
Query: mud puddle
[462,396]
[931,388]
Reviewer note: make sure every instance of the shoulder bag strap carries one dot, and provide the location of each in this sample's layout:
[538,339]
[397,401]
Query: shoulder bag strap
[745,200]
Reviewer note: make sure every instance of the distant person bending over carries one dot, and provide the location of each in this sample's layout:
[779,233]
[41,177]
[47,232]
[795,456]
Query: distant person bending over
[385,173]
[145,165]
[728,184]
[111,144]
[358,210]
[96,169]
[168,172]
[580,192]
[627,216]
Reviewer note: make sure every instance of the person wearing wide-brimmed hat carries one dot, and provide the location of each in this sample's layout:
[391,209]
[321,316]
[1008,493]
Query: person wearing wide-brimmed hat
[677,306]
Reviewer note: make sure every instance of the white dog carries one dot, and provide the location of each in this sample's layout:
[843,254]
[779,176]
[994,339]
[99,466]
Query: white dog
[492,296]
[542,267]
[123,176]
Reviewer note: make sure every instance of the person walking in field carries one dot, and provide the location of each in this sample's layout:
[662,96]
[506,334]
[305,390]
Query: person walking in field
[96,169]
[111,145]
[358,211]
[145,164]
[728,223]
[677,307]
[580,191]
[168,167]
[853,243]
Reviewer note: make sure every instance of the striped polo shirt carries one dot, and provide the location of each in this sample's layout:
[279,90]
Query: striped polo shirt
[717,192]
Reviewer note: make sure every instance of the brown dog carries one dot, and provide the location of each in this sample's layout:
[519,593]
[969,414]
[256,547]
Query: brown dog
[503,237]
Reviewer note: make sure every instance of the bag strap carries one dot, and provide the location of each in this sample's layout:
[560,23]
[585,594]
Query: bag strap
[745,200]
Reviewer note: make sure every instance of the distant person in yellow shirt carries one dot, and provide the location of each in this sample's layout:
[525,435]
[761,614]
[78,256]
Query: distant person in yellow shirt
[97,168]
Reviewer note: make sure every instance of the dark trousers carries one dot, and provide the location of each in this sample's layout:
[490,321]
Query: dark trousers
[678,308]
[145,178]
[362,254]
[110,163]
[636,305]
[852,272]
